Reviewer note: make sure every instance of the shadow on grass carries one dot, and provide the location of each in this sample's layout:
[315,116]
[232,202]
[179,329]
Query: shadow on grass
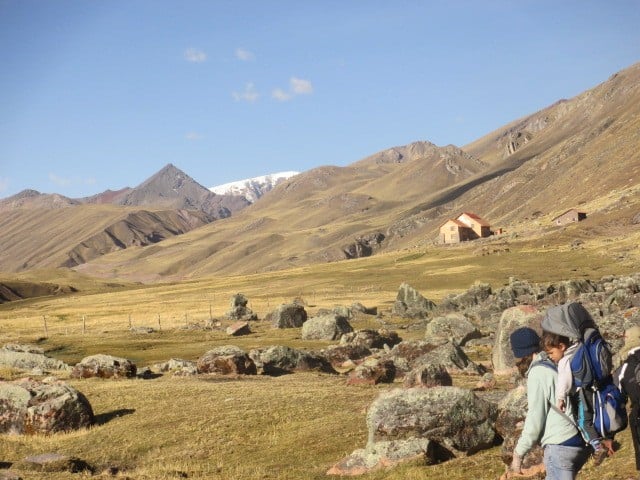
[103,418]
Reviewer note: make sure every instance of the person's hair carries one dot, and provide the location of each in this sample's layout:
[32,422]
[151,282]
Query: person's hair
[523,364]
[553,340]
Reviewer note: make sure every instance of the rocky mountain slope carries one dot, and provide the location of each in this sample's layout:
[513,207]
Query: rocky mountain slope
[581,152]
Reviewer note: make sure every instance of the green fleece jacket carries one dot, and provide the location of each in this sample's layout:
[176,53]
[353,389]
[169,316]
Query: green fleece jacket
[543,424]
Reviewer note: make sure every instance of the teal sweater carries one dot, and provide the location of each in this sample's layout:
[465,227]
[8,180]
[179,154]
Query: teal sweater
[543,424]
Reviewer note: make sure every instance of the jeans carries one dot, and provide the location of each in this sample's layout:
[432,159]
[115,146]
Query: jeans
[563,463]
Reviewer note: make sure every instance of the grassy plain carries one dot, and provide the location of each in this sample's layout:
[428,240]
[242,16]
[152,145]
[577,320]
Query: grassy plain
[289,427]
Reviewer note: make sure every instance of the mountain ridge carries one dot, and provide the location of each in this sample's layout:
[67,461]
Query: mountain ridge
[397,198]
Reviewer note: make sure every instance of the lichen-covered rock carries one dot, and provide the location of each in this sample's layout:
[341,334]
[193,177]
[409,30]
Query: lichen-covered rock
[372,371]
[411,304]
[280,359]
[226,360]
[290,315]
[29,406]
[237,329]
[177,367]
[104,366]
[27,357]
[512,318]
[337,355]
[371,338]
[428,375]
[239,310]
[454,418]
[325,327]
[454,327]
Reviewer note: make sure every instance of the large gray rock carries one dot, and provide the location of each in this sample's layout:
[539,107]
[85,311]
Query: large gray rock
[27,357]
[32,407]
[325,327]
[454,327]
[454,418]
[290,315]
[280,359]
[104,366]
[512,318]
[226,360]
[411,304]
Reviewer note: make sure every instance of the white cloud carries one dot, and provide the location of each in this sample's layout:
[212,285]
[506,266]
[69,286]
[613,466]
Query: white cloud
[244,55]
[193,136]
[59,181]
[281,95]
[194,55]
[300,86]
[297,86]
[4,183]
[249,94]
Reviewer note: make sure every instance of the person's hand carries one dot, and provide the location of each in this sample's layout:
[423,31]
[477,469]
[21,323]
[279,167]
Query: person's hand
[560,404]
[608,444]
[516,464]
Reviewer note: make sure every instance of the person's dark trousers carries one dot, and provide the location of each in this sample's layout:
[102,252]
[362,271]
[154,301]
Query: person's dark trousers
[632,389]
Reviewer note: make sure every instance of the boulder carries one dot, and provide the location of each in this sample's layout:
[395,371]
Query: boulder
[428,375]
[512,318]
[290,315]
[337,355]
[454,418]
[450,356]
[372,371]
[33,407]
[27,357]
[382,455]
[226,360]
[358,307]
[239,310]
[280,359]
[411,304]
[238,328]
[371,338]
[177,367]
[104,366]
[454,327]
[405,353]
[325,327]
[476,295]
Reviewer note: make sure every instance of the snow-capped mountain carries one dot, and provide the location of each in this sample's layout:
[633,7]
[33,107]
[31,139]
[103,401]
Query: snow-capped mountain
[252,188]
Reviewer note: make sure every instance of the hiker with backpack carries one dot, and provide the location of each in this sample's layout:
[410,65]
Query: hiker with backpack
[561,351]
[565,452]
[585,379]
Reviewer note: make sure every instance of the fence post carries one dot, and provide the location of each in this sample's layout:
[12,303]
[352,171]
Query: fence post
[84,325]
[130,326]
[46,332]
[159,326]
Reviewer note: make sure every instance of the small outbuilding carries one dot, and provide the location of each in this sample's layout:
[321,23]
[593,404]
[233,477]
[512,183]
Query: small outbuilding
[570,216]
[466,226]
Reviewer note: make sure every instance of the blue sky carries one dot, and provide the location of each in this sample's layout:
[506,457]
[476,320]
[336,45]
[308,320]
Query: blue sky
[98,95]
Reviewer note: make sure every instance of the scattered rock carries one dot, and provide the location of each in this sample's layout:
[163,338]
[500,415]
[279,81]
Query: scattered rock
[36,407]
[291,315]
[239,310]
[411,304]
[104,366]
[325,327]
[238,328]
[512,318]
[54,462]
[27,357]
[226,360]
[372,371]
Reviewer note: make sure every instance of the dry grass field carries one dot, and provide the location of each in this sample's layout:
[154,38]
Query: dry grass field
[289,427]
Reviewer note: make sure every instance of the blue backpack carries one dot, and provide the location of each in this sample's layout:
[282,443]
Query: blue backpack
[591,367]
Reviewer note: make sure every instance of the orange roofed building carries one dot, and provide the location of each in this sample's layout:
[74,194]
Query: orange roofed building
[466,226]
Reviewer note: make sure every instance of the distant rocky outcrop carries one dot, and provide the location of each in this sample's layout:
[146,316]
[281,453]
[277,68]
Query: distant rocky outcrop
[32,407]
